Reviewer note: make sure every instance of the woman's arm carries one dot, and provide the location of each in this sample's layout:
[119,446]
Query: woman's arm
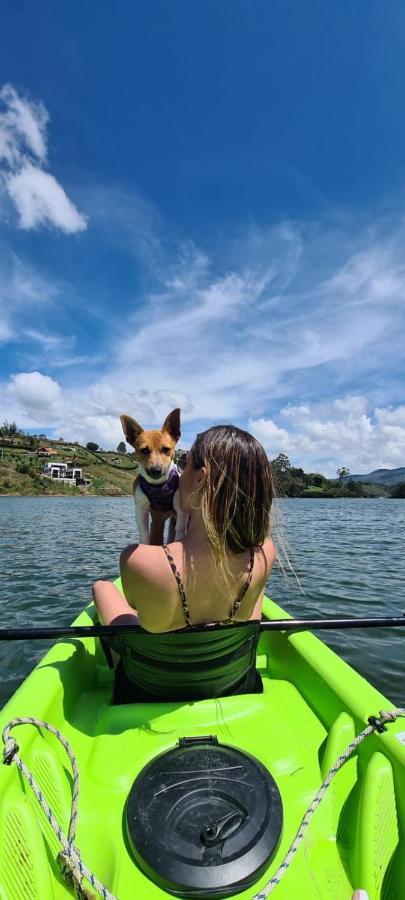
[145,575]
[111,604]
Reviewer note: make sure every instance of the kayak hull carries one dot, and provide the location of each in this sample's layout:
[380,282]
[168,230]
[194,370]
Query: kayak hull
[312,706]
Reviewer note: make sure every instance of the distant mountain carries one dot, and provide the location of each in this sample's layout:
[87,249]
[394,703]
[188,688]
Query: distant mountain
[380,476]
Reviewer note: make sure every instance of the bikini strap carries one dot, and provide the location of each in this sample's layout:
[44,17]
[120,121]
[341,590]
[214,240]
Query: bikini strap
[182,595]
[236,603]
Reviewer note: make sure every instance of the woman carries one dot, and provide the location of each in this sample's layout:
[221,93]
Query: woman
[217,574]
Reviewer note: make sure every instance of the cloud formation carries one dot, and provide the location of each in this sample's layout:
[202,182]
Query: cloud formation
[36,394]
[299,315]
[294,330]
[36,400]
[36,194]
[23,292]
[342,432]
[317,436]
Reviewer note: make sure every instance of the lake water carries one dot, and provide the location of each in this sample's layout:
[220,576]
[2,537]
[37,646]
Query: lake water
[347,554]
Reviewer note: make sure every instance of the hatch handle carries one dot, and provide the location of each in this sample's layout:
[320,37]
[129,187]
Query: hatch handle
[219,830]
[198,739]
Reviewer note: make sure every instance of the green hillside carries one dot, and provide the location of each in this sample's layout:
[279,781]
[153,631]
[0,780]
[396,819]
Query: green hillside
[21,470]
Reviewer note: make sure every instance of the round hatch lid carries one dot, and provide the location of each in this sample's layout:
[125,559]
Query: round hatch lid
[204,819]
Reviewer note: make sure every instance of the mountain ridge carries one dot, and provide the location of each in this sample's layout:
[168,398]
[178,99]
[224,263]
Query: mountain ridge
[379,476]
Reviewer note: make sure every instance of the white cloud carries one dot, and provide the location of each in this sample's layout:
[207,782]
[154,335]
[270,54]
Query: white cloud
[38,197]
[317,436]
[391,417]
[23,291]
[341,432]
[376,273]
[36,400]
[284,317]
[40,200]
[22,124]
[35,393]
[271,436]
[196,329]
[46,339]
[279,313]
[285,320]
[5,329]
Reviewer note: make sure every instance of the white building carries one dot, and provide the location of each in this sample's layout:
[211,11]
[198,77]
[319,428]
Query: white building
[65,472]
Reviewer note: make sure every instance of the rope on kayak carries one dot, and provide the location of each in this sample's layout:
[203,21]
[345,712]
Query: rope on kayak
[376,724]
[72,867]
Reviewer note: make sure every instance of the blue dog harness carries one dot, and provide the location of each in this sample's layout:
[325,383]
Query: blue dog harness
[160,496]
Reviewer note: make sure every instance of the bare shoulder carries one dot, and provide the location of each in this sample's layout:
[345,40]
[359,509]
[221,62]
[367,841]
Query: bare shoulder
[269,552]
[143,563]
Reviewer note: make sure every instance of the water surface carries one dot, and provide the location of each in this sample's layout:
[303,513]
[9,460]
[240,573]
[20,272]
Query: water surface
[348,555]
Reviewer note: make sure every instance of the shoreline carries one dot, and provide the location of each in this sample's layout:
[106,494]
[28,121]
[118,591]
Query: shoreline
[66,496]
[121,496]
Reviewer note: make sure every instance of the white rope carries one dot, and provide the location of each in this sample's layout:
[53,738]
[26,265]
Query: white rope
[375,724]
[71,864]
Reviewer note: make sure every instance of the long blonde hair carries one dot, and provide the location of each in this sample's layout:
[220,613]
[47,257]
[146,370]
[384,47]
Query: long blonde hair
[237,493]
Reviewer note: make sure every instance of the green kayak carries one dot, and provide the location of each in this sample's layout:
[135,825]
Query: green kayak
[146,770]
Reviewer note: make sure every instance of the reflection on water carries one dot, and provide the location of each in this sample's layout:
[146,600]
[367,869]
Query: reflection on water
[348,555]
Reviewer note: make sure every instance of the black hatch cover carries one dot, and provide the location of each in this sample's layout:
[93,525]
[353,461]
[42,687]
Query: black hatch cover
[204,819]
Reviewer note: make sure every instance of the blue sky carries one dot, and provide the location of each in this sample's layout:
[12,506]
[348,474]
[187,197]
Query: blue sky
[202,204]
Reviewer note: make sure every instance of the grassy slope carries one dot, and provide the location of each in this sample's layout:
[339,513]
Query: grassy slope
[106,479]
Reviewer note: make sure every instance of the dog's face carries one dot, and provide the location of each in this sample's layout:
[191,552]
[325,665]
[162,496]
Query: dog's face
[154,450]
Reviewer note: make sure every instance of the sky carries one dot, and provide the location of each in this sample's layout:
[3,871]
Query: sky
[202,205]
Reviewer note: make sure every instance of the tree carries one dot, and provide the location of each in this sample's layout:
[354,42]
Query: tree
[398,492]
[342,472]
[121,447]
[92,446]
[318,479]
[297,472]
[281,463]
[281,468]
[355,488]
[10,429]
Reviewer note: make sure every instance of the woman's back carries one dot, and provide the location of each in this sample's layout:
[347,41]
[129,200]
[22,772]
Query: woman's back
[150,584]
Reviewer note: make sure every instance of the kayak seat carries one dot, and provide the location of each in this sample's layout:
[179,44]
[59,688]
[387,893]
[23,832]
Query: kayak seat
[194,663]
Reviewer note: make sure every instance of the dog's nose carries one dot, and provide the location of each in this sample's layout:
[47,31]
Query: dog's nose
[155,471]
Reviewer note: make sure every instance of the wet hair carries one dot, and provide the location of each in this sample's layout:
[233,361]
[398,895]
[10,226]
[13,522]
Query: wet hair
[238,491]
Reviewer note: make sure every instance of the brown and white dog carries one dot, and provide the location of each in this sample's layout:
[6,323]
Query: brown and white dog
[155,486]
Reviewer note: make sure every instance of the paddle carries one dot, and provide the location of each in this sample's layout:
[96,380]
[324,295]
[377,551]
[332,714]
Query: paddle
[83,631]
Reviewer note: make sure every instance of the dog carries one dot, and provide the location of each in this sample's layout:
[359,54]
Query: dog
[155,486]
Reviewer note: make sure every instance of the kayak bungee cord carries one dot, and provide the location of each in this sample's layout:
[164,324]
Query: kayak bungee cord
[375,724]
[71,864]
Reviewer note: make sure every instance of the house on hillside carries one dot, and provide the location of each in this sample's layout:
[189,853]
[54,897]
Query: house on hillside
[64,472]
[46,451]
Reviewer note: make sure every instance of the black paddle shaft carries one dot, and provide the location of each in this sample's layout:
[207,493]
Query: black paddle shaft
[83,631]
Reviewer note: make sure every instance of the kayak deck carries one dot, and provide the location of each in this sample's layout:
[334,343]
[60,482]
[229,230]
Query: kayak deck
[312,706]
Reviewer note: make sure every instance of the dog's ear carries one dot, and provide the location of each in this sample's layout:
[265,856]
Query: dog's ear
[172,424]
[131,429]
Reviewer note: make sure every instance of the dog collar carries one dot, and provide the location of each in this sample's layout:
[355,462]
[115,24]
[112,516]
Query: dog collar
[157,481]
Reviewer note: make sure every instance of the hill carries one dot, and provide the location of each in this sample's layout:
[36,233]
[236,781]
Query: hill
[21,471]
[388,477]
[291,481]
